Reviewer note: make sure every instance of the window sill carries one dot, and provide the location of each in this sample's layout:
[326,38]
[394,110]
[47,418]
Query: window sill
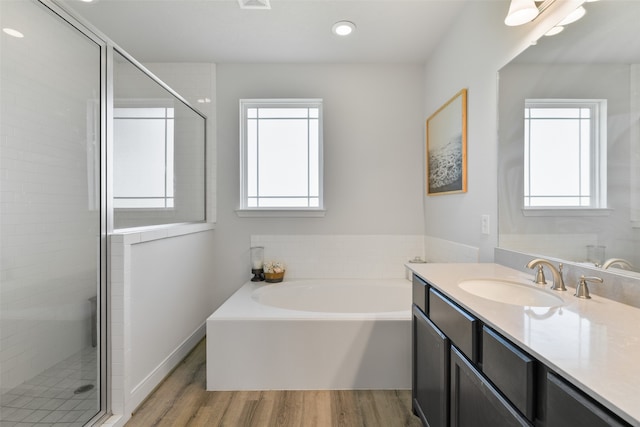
[280,213]
[566,212]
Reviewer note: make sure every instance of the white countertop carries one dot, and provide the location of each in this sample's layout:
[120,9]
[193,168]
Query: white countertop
[595,343]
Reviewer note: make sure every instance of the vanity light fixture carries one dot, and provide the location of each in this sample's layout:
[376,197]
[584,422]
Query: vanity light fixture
[555,30]
[343,28]
[573,16]
[13,33]
[521,12]
[254,4]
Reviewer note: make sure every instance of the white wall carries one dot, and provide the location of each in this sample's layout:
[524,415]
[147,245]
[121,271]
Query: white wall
[373,150]
[469,56]
[169,300]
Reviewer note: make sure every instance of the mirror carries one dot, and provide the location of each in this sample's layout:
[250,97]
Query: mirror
[598,59]
[158,152]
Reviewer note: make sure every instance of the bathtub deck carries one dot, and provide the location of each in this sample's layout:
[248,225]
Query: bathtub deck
[182,400]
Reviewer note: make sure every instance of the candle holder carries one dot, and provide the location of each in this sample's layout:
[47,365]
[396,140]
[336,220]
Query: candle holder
[258,275]
[257,263]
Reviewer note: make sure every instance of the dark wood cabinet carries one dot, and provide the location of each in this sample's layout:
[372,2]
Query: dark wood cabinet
[510,370]
[475,402]
[465,374]
[569,407]
[420,293]
[458,325]
[430,371]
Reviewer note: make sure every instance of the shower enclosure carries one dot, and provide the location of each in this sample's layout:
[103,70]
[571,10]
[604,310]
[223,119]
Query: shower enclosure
[52,228]
[90,142]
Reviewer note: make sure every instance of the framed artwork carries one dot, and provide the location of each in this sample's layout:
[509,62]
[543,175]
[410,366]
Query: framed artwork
[447,147]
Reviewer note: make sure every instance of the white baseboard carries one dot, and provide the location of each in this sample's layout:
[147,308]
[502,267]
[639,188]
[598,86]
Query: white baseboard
[143,389]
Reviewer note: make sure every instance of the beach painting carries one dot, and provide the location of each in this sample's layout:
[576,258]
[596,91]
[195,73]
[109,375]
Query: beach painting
[447,147]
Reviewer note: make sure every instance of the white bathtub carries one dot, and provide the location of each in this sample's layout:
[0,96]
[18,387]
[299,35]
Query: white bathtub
[323,334]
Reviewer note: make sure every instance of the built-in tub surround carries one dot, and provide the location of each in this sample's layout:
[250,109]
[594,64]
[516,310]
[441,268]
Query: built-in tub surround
[341,256]
[334,342]
[592,343]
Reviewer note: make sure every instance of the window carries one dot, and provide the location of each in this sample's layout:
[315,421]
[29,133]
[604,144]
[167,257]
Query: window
[143,157]
[281,154]
[565,154]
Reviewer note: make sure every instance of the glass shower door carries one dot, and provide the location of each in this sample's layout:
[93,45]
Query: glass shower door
[51,232]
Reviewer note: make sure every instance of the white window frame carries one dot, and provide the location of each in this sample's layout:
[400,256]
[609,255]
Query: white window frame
[598,158]
[244,209]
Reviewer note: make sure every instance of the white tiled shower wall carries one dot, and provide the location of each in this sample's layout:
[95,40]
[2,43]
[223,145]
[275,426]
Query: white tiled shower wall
[49,219]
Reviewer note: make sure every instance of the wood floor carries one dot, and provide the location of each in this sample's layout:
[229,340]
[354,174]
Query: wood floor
[182,400]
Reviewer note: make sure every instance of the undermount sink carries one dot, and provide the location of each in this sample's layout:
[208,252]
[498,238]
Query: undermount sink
[509,292]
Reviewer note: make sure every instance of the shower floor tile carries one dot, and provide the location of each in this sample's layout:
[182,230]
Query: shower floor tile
[49,399]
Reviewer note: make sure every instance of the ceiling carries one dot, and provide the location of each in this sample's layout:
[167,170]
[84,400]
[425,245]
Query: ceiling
[388,31]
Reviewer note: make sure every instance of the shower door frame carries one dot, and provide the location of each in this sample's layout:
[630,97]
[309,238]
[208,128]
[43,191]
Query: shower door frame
[103,302]
[110,401]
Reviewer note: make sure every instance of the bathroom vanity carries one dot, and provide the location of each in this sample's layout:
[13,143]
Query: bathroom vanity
[534,357]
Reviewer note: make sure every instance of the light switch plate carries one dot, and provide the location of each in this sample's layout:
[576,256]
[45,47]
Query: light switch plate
[485,224]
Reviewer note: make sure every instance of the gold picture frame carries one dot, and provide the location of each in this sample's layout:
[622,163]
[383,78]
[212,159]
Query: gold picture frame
[446,163]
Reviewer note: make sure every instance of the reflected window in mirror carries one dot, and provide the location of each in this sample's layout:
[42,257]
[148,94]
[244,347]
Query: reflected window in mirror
[158,166]
[143,157]
[565,154]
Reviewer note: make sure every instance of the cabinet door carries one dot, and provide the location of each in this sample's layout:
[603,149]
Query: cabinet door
[510,370]
[474,401]
[567,407]
[430,372]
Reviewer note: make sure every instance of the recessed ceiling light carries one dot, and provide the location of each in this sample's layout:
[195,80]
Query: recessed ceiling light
[343,28]
[13,33]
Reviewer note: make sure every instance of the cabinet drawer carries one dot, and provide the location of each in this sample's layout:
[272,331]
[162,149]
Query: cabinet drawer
[511,370]
[569,407]
[420,293]
[457,324]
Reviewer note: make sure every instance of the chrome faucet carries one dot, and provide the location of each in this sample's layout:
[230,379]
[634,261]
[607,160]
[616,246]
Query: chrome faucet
[558,281]
[619,261]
